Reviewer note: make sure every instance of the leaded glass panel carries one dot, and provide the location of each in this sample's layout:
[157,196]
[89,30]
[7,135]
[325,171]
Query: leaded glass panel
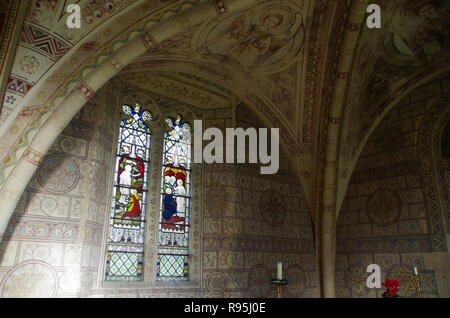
[173,236]
[125,252]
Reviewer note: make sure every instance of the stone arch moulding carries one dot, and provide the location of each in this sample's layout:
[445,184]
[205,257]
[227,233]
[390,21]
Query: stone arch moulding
[326,233]
[27,154]
[101,40]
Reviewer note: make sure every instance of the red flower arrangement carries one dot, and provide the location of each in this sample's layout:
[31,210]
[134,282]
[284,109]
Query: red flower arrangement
[391,288]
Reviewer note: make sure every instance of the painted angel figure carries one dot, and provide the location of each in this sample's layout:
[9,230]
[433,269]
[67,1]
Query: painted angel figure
[253,42]
[419,28]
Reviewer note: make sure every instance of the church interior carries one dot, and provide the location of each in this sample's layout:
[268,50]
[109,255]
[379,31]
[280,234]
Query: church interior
[100,197]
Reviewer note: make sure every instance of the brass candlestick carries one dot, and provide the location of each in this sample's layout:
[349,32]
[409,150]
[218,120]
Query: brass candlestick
[279,283]
[418,288]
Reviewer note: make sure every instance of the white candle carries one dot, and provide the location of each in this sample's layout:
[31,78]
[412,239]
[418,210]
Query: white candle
[415,271]
[280,271]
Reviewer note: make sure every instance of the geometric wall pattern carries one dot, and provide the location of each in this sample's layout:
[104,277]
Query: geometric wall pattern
[391,214]
[52,246]
[41,41]
[249,221]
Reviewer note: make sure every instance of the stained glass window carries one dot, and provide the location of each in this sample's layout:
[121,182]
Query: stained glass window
[125,251]
[173,236]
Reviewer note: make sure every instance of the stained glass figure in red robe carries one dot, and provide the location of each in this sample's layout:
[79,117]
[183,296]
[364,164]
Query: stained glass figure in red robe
[134,208]
[126,235]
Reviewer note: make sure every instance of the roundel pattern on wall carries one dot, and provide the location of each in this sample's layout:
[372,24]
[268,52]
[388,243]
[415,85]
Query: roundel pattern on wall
[58,174]
[273,207]
[383,207]
[217,200]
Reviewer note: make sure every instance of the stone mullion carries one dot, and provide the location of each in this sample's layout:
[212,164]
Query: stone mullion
[153,206]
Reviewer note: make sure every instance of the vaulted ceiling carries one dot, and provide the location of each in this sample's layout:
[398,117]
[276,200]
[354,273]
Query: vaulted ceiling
[283,58]
[411,49]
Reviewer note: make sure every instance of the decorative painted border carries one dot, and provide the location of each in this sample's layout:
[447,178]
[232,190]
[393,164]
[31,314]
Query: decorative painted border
[426,155]
[24,140]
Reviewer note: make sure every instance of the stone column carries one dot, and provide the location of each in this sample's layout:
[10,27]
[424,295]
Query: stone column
[329,208]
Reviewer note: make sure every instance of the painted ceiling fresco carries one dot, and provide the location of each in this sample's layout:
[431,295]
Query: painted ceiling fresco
[278,56]
[261,47]
[45,40]
[182,87]
[415,34]
[411,49]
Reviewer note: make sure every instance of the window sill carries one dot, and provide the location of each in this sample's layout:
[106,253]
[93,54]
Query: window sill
[150,285]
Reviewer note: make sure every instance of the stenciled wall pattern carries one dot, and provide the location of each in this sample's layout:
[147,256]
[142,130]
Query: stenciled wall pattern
[44,40]
[393,214]
[52,246]
[251,221]
[247,221]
